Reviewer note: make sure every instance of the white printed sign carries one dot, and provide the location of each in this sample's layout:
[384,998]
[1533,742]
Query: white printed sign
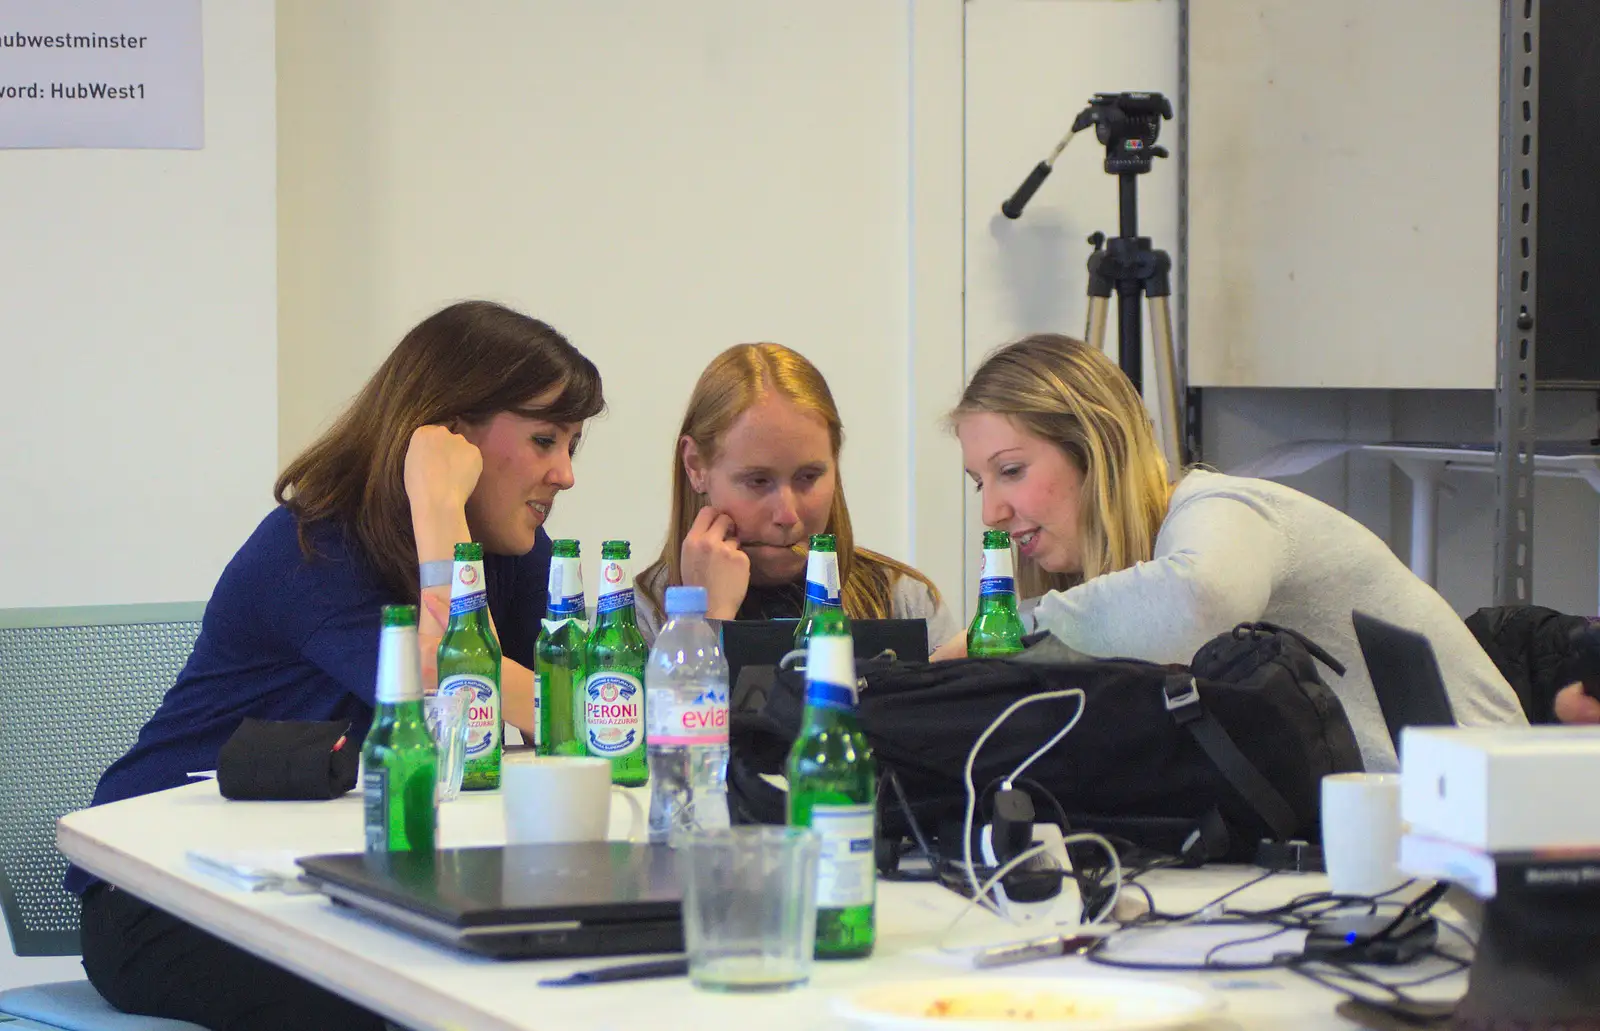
[101,73]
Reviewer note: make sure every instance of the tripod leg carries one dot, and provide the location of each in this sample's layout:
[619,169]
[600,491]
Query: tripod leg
[1095,333]
[1168,391]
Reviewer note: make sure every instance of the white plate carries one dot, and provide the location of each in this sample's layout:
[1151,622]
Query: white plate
[1057,1003]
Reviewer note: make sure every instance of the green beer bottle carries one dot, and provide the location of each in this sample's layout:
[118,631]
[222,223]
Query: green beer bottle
[558,657]
[996,628]
[824,607]
[399,760]
[613,687]
[833,784]
[469,663]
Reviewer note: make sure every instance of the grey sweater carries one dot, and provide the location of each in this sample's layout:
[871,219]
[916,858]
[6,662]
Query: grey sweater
[1233,550]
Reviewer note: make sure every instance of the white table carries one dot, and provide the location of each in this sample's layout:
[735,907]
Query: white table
[139,845]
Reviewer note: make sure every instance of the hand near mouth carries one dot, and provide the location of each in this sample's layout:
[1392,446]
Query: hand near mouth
[799,547]
[713,558]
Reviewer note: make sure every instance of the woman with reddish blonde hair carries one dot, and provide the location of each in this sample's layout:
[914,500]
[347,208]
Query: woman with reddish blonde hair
[755,472]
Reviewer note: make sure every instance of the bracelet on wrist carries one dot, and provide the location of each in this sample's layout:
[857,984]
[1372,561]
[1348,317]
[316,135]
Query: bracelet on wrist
[436,573]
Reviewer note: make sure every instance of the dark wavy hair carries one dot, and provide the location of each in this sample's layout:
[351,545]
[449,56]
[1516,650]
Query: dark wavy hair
[469,361]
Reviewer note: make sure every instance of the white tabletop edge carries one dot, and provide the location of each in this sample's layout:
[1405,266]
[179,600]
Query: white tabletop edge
[410,1004]
[139,845]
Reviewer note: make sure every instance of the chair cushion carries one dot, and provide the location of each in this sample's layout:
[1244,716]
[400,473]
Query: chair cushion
[76,1006]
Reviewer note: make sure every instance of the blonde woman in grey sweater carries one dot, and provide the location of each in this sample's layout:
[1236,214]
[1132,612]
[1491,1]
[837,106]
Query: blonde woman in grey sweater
[1125,563]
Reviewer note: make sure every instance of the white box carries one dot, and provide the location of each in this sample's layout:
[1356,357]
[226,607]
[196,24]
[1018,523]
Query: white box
[1502,789]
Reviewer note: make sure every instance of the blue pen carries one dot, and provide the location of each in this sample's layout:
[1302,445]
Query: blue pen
[678,967]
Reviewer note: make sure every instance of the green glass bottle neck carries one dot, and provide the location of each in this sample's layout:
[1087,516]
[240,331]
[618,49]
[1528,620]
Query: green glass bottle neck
[830,673]
[998,602]
[399,667]
[410,709]
[614,606]
[622,615]
[997,579]
[469,595]
[823,590]
[566,590]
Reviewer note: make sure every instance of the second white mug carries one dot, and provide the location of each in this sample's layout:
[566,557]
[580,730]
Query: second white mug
[1361,832]
[553,798]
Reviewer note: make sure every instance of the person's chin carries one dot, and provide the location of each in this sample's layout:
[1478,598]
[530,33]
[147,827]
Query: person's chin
[519,543]
[777,570]
[1054,563]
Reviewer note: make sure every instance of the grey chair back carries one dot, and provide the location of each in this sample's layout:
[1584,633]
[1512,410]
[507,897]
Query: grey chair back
[76,684]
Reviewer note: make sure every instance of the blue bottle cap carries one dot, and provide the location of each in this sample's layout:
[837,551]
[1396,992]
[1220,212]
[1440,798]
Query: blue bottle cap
[682,600]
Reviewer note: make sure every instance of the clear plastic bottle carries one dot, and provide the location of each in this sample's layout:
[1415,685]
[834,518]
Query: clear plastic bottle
[686,692]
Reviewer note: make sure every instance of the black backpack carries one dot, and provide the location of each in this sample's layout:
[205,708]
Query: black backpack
[1203,762]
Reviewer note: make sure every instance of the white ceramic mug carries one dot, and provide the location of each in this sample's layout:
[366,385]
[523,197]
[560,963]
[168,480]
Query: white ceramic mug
[555,798]
[1361,832]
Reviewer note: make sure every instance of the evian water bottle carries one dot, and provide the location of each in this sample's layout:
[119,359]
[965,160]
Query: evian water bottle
[686,692]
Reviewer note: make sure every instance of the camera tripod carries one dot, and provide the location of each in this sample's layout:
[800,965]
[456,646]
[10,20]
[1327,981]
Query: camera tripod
[1128,125]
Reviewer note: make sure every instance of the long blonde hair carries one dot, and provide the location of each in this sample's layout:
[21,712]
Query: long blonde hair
[734,381]
[1072,395]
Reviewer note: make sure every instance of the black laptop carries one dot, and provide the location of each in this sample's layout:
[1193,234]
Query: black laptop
[516,901]
[1405,676]
[764,642]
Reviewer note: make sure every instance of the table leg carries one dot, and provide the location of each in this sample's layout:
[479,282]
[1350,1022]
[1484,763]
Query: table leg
[1424,477]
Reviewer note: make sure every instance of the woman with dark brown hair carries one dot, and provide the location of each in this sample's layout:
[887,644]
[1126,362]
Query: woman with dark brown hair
[465,433]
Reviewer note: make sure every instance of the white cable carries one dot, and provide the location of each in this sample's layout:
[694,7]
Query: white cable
[972,795]
[1027,854]
[980,897]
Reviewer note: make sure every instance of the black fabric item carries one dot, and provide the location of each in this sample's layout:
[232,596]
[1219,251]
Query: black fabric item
[143,960]
[1183,701]
[1130,758]
[1538,961]
[287,760]
[1539,651]
[773,601]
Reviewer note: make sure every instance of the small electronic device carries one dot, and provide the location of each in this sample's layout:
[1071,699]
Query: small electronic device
[1373,938]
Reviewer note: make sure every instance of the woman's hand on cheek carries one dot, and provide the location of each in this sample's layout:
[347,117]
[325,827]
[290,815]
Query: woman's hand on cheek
[442,468]
[712,559]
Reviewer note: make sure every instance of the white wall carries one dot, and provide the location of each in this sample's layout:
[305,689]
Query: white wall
[657,181]
[140,343]
[140,340]
[1344,174]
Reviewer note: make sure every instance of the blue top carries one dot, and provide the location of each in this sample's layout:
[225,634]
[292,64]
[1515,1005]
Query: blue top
[290,638]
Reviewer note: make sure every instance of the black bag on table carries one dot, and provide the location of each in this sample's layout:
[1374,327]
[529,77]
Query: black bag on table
[1203,762]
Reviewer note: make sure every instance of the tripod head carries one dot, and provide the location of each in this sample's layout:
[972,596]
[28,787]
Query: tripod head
[1128,124]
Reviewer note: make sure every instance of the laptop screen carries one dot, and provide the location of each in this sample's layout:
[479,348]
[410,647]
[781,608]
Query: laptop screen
[1405,676]
[764,642]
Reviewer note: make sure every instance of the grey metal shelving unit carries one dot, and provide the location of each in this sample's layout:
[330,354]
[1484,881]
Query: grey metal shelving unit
[1516,336]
